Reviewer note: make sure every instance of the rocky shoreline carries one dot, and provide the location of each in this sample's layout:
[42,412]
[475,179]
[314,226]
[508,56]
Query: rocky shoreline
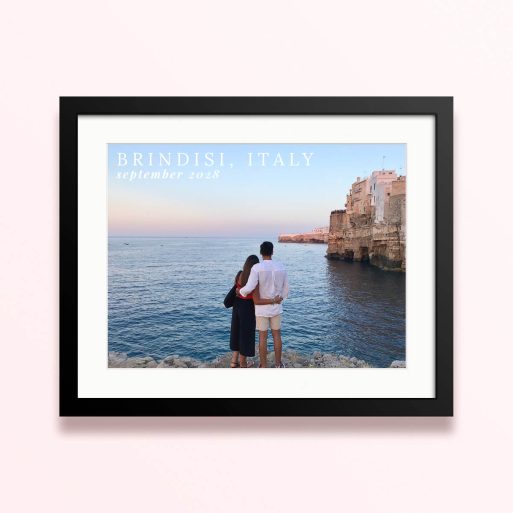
[305,238]
[291,359]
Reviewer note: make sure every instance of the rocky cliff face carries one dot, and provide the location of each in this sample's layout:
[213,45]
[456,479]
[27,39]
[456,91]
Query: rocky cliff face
[360,239]
[371,228]
[313,237]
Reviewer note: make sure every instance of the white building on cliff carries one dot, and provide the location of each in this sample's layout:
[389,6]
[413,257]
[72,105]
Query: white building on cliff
[380,186]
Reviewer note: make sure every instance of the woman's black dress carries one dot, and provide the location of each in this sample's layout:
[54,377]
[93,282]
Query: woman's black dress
[242,333]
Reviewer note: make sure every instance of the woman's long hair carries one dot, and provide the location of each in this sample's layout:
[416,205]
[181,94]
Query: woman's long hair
[250,262]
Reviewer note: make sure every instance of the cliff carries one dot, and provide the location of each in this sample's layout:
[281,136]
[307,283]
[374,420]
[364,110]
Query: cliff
[372,227]
[381,244]
[309,238]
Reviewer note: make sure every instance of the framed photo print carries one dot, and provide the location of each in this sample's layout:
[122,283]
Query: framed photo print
[257,256]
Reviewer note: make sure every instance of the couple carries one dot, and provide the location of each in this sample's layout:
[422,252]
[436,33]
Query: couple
[260,289]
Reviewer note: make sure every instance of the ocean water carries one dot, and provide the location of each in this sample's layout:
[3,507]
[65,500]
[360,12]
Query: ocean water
[166,297]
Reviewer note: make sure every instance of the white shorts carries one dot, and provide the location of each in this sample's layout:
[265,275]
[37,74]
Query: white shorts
[262,323]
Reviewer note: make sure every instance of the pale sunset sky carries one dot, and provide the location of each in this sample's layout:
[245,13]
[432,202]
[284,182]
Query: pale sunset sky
[236,199]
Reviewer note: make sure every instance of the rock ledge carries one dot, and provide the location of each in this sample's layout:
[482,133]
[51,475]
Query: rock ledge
[291,359]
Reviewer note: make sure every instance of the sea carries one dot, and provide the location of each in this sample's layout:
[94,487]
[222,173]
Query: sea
[166,298]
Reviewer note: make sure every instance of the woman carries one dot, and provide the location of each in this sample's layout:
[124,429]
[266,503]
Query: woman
[242,333]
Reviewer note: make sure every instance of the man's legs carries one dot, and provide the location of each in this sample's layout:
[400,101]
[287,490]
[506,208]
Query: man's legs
[262,348]
[277,346]
[262,325]
[275,323]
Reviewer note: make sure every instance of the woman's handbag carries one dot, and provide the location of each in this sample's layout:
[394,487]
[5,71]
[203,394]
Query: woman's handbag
[229,300]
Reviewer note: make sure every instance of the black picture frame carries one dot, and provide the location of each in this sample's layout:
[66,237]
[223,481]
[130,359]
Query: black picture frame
[71,107]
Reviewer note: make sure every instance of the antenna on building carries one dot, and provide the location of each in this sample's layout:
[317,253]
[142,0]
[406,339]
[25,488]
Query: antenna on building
[383,163]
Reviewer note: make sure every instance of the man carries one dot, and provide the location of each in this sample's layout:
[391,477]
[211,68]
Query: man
[271,278]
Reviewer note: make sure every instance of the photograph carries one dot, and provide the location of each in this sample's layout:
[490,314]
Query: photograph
[255,256]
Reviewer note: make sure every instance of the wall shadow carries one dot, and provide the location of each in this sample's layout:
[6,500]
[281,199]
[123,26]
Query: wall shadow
[257,425]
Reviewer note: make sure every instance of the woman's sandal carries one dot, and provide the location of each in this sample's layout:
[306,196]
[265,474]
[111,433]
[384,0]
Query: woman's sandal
[234,365]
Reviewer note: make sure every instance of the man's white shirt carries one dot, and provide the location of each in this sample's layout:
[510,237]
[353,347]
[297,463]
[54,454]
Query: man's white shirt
[271,276]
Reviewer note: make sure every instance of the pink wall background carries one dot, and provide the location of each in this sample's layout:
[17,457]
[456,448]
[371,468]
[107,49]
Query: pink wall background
[462,48]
